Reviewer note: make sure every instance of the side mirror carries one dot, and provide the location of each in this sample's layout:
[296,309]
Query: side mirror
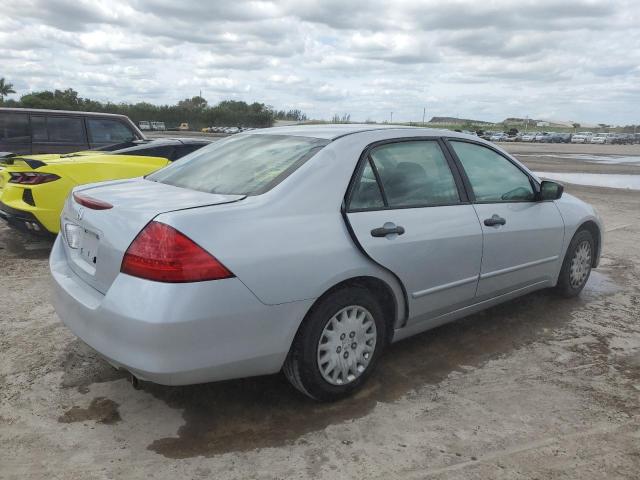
[550,190]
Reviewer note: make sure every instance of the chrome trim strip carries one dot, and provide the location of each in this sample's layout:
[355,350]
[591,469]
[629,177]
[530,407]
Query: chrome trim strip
[495,273]
[446,286]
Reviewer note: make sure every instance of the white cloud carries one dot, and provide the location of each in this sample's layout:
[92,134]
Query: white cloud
[575,59]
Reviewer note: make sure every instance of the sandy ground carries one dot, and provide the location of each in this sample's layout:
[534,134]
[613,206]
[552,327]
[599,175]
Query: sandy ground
[540,387]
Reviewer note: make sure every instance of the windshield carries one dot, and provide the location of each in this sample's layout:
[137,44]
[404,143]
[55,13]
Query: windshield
[241,165]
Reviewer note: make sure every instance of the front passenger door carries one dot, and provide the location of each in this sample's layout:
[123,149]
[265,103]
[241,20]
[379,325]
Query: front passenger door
[522,237]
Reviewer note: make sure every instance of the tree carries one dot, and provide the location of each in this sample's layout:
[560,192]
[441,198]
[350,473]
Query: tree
[576,126]
[5,89]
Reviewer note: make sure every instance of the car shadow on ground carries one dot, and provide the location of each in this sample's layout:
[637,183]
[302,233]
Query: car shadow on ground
[17,244]
[245,414]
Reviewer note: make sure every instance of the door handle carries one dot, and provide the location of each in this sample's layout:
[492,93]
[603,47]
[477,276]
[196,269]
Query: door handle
[384,231]
[494,220]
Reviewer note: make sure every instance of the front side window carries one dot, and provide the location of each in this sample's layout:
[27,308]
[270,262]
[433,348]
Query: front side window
[105,131]
[493,177]
[242,165]
[65,130]
[14,127]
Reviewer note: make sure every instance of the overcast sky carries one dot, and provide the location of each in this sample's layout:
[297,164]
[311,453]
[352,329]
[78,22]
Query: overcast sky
[564,60]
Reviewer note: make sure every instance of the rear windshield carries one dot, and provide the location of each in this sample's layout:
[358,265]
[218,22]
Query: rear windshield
[241,165]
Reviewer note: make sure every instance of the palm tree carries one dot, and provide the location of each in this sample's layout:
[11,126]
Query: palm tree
[5,89]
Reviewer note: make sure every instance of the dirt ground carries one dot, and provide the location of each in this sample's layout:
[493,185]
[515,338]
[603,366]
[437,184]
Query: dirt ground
[540,387]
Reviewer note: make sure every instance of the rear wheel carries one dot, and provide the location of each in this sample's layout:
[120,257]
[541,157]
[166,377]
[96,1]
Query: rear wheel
[576,267]
[337,345]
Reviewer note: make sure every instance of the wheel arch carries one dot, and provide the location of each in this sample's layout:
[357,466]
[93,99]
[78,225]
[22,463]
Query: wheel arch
[381,290]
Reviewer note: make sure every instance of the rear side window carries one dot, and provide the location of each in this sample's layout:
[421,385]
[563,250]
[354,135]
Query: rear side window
[65,130]
[493,177]
[14,128]
[243,165]
[413,174]
[105,131]
[366,194]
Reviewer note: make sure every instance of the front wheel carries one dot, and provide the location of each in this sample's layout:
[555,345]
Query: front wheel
[337,345]
[576,266]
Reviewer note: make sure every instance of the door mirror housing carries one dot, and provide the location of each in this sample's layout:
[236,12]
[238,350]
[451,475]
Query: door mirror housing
[550,190]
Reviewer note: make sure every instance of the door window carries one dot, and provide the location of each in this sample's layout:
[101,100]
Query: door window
[39,128]
[14,128]
[65,130]
[413,174]
[493,177]
[108,131]
[366,194]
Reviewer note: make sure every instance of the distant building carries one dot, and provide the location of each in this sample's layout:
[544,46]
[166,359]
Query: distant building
[456,121]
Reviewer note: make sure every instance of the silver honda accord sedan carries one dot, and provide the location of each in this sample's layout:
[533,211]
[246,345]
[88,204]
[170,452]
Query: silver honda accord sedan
[309,249]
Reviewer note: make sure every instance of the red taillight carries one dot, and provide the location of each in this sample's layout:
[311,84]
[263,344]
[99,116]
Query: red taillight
[92,203]
[163,254]
[32,178]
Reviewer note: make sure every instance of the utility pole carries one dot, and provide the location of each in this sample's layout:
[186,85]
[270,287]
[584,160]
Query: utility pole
[391,121]
[424,112]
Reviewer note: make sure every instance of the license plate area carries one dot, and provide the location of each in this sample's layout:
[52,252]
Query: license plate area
[83,246]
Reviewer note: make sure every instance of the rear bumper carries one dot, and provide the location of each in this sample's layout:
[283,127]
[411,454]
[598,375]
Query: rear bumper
[176,334]
[25,221]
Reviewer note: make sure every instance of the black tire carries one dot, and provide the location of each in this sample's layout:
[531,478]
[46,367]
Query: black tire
[567,287]
[301,366]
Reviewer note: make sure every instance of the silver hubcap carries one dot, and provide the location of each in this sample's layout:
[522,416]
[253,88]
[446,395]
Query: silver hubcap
[346,345]
[580,265]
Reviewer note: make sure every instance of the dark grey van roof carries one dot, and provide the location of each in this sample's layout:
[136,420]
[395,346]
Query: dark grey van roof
[64,112]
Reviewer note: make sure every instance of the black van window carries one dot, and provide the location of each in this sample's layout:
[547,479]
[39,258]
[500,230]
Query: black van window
[39,128]
[105,131]
[65,129]
[14,128]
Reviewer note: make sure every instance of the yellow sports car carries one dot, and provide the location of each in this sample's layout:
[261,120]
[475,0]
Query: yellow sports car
[33,188]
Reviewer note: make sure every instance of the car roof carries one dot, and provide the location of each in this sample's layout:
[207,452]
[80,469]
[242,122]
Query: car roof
[60,112]
[161,142]
[177,140]
[334,131]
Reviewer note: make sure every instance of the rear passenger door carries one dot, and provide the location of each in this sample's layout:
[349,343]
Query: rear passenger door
[522,236]
[410,214]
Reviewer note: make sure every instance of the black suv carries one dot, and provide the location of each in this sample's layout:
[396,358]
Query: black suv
[31,131]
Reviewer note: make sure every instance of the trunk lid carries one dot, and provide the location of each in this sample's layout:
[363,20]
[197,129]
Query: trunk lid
[95,240]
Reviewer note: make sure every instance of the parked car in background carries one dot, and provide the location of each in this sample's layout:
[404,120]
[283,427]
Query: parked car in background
[30,131]
[368,235]
[621,138]
[144,125]
[560,137]
[542,137]
[158,126]
[184,126]
[528,137]
[33,188]
[600,138]
[498,137]
[581,137]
